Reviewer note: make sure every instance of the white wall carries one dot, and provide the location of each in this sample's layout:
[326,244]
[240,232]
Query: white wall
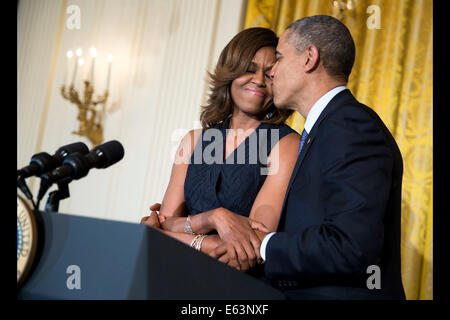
[161,51]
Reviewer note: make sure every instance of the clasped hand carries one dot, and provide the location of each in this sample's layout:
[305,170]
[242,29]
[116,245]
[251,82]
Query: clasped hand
[241,236]
[154,220]
[241,240]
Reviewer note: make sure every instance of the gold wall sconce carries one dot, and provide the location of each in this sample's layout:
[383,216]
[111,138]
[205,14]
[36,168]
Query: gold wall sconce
[340,6]
[90,115]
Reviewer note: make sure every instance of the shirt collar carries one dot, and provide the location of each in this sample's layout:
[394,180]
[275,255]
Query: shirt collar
[319,106]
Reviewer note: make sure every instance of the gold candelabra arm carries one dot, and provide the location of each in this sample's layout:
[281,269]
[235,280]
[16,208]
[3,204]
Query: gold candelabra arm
[90,118]
[64,93]
[71,94]
[88,91]
[341,6]
[101,99]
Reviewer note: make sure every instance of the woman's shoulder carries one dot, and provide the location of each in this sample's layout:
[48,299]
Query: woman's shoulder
[192,135]
[187,145]
[285,138]
[283,129]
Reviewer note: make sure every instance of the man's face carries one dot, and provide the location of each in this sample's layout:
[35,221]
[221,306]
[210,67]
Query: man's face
[287,74]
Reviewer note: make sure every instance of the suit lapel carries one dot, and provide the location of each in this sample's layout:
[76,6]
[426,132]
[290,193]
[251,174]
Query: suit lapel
[300,158]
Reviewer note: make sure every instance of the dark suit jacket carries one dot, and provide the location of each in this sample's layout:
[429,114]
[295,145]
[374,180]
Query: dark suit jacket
[341,213]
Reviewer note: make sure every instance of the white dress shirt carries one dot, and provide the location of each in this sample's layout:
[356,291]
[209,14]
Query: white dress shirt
[311,119]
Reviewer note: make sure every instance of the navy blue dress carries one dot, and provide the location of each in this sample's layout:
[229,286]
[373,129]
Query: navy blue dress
[212,182]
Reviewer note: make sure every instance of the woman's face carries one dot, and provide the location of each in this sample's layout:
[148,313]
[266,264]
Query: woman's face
[251,90]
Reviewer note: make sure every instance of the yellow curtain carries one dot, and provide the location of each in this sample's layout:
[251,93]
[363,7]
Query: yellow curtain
[393,74]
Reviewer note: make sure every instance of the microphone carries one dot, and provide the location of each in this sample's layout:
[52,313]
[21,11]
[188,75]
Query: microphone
[77,165]
[43,162]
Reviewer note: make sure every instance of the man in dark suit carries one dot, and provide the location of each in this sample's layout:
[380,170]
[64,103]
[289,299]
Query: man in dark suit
[339,230]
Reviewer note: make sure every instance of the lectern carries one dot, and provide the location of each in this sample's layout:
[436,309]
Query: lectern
[118,260]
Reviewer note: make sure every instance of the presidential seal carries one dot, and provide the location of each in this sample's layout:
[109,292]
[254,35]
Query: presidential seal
[26,239]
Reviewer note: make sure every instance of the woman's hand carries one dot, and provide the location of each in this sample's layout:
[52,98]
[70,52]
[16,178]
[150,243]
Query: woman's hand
[172,223]
[154,220]
[155,207]
[210,243]
[228,253]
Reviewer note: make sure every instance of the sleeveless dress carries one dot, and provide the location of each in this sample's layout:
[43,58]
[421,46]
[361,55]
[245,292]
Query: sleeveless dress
[212,182]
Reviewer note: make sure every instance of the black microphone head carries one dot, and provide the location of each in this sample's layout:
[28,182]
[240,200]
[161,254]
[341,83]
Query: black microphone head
[109,152]
[43,162]
[39,163]
[79,167]
[79,147]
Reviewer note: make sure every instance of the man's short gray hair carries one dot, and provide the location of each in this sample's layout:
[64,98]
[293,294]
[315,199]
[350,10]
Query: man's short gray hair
[331,37]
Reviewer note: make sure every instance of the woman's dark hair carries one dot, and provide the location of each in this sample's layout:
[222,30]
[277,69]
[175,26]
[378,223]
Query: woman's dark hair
[233,62]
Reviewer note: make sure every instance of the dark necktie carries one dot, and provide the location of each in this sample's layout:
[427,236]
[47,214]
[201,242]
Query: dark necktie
[302,140]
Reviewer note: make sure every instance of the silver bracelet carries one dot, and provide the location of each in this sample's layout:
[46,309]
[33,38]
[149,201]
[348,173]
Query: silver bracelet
[187,226]
[197,241]
[199,245]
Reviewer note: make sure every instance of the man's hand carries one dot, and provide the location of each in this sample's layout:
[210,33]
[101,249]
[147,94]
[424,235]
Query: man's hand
[233,255]
[238,232]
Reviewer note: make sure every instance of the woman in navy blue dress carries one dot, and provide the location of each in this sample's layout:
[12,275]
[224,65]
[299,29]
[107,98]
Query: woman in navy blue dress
[237,167]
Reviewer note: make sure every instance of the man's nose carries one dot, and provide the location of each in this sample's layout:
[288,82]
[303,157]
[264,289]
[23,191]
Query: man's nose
[272,71]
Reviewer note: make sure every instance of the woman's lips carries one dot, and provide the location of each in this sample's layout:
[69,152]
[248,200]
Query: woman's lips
[256,92]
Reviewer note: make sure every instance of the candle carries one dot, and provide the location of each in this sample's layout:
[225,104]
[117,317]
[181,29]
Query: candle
[93,55]
[79,52]
[109,72]
[80,63]
[69,55]
[74,75]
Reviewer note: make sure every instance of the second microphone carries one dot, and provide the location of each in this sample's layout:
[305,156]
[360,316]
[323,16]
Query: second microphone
[77,166]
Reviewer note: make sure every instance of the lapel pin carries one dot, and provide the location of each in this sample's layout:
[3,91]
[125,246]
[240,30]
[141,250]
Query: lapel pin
[309,140]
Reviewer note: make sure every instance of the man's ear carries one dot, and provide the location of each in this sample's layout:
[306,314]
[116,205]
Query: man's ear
[311,58]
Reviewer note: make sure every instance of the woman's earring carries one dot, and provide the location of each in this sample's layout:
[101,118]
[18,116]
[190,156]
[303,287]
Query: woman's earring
[269,115]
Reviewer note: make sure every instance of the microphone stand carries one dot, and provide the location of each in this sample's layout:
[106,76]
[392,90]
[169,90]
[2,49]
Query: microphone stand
[21,184]
[55,196]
